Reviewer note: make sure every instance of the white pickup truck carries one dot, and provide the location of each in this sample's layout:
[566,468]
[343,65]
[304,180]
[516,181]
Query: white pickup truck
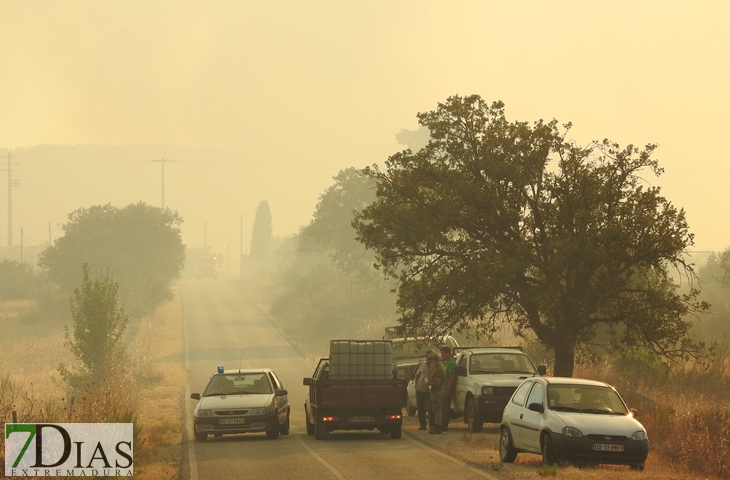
[486,377]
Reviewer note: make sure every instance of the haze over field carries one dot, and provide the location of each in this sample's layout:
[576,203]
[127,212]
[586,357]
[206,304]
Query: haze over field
[268,101]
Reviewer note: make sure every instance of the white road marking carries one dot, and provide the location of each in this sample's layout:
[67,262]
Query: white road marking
[192,461]
[322,460]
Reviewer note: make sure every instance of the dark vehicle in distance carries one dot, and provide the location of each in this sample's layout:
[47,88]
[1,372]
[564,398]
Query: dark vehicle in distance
[207,267]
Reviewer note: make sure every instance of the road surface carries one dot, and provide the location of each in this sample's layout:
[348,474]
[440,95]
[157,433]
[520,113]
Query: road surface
[223,328]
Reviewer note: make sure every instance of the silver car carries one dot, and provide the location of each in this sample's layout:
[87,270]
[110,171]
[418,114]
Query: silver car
[242,401]
[573,420]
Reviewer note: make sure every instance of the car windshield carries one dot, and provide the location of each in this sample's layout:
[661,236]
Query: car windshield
[238,384]
[598,399]
[500,363]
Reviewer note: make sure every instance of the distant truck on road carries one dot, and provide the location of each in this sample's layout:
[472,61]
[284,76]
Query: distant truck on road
[355,389]
[207,267]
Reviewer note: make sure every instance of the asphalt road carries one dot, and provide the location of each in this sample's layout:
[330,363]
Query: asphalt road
[223,328]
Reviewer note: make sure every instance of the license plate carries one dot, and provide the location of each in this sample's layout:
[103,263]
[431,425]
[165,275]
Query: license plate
[608,447]
[362,419]
[231,421]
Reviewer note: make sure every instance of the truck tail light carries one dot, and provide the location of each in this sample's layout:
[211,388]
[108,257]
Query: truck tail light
[393,417]
[330,419]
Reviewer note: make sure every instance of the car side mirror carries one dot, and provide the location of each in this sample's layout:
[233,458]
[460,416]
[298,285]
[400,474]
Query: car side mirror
[542,370]
[307,381]
[536,407]
[281,393]
[460,371]
[195,396]
[634,412]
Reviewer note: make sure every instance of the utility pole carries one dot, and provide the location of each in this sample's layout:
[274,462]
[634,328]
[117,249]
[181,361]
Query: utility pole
[240,256]
[11,183]
[162,162]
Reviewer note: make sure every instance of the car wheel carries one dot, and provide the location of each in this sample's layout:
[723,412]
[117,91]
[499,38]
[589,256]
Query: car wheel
[507,450]
[410,408]
[396,431]
[273,432]
[320,429]
[548,450]
[310,425]
[284,428]
[473,421]
[201,437]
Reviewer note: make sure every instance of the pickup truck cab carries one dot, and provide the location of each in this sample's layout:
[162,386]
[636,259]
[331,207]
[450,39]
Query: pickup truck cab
[486,378]
[408,352]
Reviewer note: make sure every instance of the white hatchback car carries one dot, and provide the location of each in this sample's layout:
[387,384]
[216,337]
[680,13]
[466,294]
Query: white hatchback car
[573,420]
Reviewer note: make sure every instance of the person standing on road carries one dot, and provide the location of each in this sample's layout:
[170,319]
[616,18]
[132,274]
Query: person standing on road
[435,383]
[448,386]
[423,395]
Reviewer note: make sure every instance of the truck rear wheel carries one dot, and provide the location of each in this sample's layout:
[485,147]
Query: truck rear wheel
[310,425]
[320,429]
[396,431]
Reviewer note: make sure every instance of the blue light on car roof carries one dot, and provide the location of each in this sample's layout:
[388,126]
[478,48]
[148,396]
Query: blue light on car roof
[220,369]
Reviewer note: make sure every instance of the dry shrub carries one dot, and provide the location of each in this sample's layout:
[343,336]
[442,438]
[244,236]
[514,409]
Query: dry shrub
[29,407]
[139,352]
[691,429]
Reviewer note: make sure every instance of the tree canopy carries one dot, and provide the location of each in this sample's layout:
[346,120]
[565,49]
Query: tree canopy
[331,230]
[496,221]
[17,280]
[723,262]
[261,233]
[139,244]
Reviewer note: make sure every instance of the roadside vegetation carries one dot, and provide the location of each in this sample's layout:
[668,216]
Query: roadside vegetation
[88,360]
[146,390]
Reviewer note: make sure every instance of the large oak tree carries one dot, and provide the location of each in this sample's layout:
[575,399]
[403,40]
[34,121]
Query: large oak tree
[140,245]
[497,221]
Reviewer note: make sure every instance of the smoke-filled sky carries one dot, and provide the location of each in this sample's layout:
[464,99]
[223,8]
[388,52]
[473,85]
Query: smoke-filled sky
[271,99]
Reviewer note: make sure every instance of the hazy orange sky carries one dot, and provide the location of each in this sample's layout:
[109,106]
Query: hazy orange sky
[323,85]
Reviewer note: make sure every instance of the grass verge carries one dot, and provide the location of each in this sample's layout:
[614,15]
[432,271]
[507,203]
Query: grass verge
[154,381]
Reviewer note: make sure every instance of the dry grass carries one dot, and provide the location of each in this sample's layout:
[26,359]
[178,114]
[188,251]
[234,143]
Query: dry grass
[147,391]
[685,408]
[161,379]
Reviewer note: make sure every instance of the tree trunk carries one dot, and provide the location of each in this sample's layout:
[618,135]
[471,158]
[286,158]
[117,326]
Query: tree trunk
[564,360]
